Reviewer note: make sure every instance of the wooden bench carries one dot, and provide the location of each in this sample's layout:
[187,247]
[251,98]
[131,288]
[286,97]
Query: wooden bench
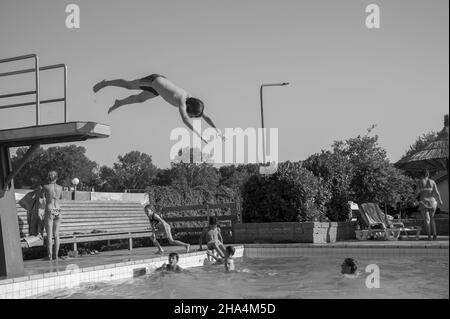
[90,221]
[202,213]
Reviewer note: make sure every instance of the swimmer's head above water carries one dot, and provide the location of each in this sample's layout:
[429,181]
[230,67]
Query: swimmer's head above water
[349,267]
[229,264]
[229,251]
[228,260]
[173,259]
[173,263]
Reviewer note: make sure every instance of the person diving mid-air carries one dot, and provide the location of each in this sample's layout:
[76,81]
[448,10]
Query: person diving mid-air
[158,85]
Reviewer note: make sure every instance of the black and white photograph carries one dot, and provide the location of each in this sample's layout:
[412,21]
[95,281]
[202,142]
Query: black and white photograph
[224,158]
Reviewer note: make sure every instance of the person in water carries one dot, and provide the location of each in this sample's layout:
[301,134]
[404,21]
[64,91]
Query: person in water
[158,85]
[349,268]
[428,192]
[228,260]
[160,226]
[172,265]
[214,240]
[52,214]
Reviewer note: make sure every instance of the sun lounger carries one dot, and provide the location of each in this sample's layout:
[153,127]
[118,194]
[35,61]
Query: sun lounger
[380,227]
[412,230]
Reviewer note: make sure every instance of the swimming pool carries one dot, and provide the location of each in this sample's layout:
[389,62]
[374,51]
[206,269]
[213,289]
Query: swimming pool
[283,277]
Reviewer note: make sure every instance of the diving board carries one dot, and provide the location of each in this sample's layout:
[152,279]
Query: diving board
[53,133]
[11,260]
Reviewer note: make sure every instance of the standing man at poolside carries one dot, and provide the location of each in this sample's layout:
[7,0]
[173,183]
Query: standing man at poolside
[52,217]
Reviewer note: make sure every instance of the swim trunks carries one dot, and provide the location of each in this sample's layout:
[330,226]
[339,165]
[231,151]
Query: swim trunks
[54,213]
[149,79]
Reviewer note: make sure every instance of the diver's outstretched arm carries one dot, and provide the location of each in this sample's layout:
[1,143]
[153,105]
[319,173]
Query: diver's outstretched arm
[185,119]
[211,123]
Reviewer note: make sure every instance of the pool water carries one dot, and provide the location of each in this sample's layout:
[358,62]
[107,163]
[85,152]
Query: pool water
[299,277]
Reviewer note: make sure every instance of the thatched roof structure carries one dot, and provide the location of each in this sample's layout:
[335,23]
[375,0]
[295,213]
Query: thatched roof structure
[433,157]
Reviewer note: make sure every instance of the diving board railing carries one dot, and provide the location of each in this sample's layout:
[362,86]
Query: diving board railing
[36,91]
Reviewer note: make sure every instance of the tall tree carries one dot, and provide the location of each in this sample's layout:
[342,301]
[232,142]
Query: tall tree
[134,170]
[336,173]
[236,176]
[69,161]
[374,179]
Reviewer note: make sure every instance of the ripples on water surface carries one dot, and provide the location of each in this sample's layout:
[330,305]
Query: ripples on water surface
[299,277]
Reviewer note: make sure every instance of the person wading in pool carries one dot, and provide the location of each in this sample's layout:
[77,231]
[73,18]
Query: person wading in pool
[172,265]
[155,85]
[349,268]
[160,226]
[227,261]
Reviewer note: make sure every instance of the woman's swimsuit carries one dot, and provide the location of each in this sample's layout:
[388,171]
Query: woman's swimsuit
[146,83]
[51,197]
[427,201]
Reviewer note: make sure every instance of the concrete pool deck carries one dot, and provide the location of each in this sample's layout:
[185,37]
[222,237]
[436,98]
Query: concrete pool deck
[42,275]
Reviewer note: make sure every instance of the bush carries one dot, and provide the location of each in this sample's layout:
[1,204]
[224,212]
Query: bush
[291,194]
[336,173]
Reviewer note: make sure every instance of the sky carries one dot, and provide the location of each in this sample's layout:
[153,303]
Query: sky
[343,76]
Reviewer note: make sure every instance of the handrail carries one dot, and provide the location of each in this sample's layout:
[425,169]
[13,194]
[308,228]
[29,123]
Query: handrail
[16,58]
[36,70]
[42,68]
[17,94]
[31,103]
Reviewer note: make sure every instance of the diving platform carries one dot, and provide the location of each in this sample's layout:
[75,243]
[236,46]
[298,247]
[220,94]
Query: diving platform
[11,259]
[53,133]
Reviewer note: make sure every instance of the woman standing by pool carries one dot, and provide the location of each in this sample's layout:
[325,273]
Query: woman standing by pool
[159,225]
[428,192]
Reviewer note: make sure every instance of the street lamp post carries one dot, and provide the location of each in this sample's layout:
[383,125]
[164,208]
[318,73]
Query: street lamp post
[262,114]
[75,182]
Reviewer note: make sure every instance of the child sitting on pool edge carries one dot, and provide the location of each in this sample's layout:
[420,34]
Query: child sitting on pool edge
[214,240]
[228,260]
[349,268]
[173,264]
